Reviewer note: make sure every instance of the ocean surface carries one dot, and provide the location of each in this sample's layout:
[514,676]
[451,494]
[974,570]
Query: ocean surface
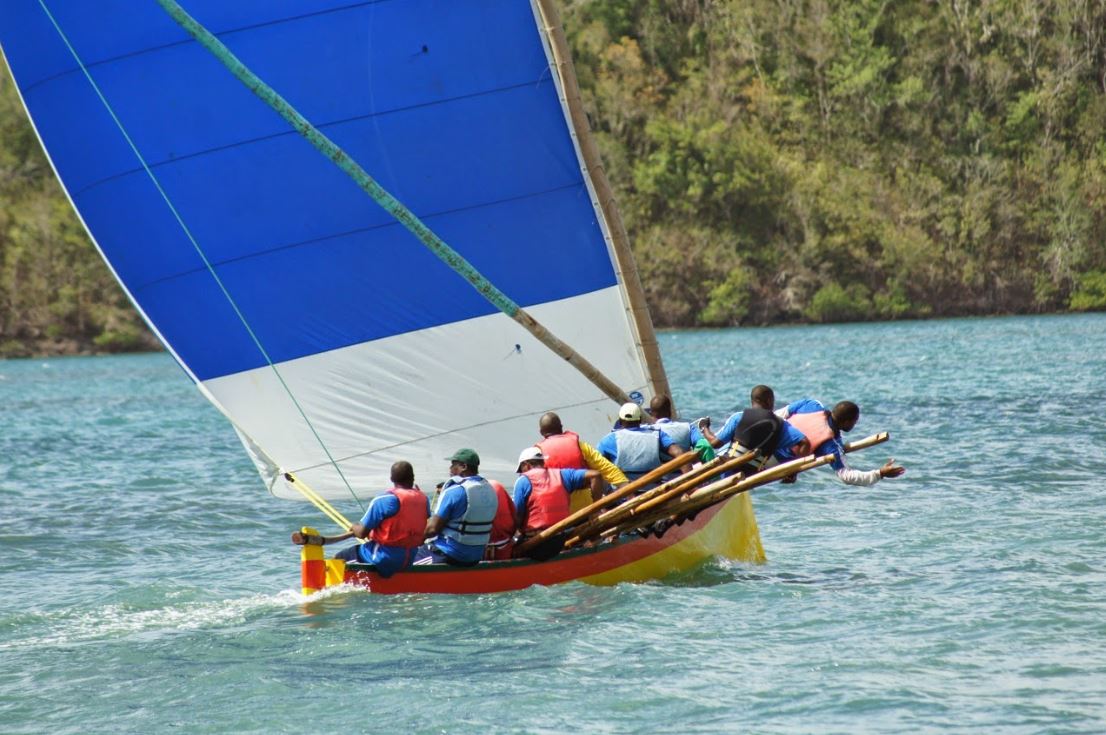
[147,584]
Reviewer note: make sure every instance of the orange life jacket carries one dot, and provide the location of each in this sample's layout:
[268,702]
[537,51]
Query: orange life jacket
[562,451]
[814,426]
[501,543]
[406,528]
[548,502]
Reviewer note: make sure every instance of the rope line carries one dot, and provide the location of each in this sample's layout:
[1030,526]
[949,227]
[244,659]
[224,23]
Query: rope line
[195,244]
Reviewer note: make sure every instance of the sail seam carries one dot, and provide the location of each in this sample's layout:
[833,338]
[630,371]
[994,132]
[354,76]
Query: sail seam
[199,251]
[293,133]
[340,235]
[231,31]
[454,431]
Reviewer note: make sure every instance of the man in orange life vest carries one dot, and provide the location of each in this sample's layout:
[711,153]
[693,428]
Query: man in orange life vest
[565,450]
[541,494]
[501,543]
[394,525]
[823,428]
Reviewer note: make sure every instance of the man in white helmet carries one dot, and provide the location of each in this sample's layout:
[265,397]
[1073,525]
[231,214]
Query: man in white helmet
[636,449]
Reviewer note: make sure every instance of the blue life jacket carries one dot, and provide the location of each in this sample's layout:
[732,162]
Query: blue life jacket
[475,526]
[678,431]
[637,452]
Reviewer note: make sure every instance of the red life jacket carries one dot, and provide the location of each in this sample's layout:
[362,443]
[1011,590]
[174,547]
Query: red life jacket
[548,502]
[501,543]
[814,426]
[562,451]
[407,527]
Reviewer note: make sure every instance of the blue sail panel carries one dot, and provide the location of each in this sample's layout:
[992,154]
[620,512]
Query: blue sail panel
[333,339]
[458,117]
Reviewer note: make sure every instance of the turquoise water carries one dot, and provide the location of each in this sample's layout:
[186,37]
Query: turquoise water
[147,584]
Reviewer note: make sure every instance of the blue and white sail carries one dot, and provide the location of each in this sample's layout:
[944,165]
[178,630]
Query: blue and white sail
[326,333]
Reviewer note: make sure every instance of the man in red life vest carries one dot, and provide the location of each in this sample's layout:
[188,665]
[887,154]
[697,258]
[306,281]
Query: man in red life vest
[541,494]
[823,429]
[565,450]
[393,524]
[501,544]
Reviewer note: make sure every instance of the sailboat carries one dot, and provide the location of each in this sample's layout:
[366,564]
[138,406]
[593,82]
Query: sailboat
[366,231]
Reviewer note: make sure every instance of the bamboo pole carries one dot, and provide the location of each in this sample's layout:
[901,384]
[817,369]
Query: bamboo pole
[620,241]
[390,204]
[703,497]
[630,487]
[715,493]
[673,488]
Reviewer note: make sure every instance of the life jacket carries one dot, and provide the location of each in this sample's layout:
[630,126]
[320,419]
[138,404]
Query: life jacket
[501,543]
[548,502]
[562,451]
[475,526]
[637,452]
[406,528]
[814,426]
[759,429]
[678,431]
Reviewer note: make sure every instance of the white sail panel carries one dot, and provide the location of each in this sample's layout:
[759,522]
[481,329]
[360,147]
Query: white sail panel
[422,395]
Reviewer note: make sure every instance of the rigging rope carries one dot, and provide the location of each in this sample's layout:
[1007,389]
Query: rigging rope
[196,246]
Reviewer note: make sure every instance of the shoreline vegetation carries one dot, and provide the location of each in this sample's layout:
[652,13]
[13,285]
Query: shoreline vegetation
[775,161]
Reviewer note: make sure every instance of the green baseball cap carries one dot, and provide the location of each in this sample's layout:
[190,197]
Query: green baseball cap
[468,456]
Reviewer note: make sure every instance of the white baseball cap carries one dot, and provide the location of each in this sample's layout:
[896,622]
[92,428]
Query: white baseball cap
[529,455]
[630,412]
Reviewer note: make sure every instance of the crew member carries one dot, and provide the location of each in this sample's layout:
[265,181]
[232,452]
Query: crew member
[678,431]
[394,525]
[462,522]
[823,429]
[634,448]
[541,494]
[757,429]
[565,449]
[501,543]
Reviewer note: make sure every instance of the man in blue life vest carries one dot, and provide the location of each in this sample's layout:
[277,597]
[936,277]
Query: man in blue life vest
[541,494]
[823,429]
[462,522]
[634,448]
[394,525]
[678,431]
[758,429]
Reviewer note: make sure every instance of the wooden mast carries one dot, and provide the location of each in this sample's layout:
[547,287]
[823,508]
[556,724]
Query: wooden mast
[638,311]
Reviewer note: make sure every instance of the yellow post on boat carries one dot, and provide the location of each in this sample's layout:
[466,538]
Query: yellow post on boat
[312,564]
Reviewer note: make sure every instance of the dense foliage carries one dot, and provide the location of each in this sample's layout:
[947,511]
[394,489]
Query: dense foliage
[817,160]
[56,295]
[775,160]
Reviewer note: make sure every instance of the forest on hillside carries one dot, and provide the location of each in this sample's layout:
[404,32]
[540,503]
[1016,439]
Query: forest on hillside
[774,161]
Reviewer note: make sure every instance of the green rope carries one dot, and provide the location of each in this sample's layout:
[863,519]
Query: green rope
[196,245]
[329,149]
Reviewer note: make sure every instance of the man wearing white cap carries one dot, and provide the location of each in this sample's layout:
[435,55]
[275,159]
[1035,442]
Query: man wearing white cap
[541,494]
[636,449]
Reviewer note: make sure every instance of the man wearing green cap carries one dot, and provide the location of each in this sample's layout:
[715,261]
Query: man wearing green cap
[461,524]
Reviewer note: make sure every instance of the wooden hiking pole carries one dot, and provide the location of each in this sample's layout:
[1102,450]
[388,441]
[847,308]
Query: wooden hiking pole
[573,519]
[722,490]
[670,489]
[716,493]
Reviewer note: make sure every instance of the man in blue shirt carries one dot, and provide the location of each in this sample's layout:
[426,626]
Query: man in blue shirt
[757,428]
[394,523]
[823,428]
[462,522]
